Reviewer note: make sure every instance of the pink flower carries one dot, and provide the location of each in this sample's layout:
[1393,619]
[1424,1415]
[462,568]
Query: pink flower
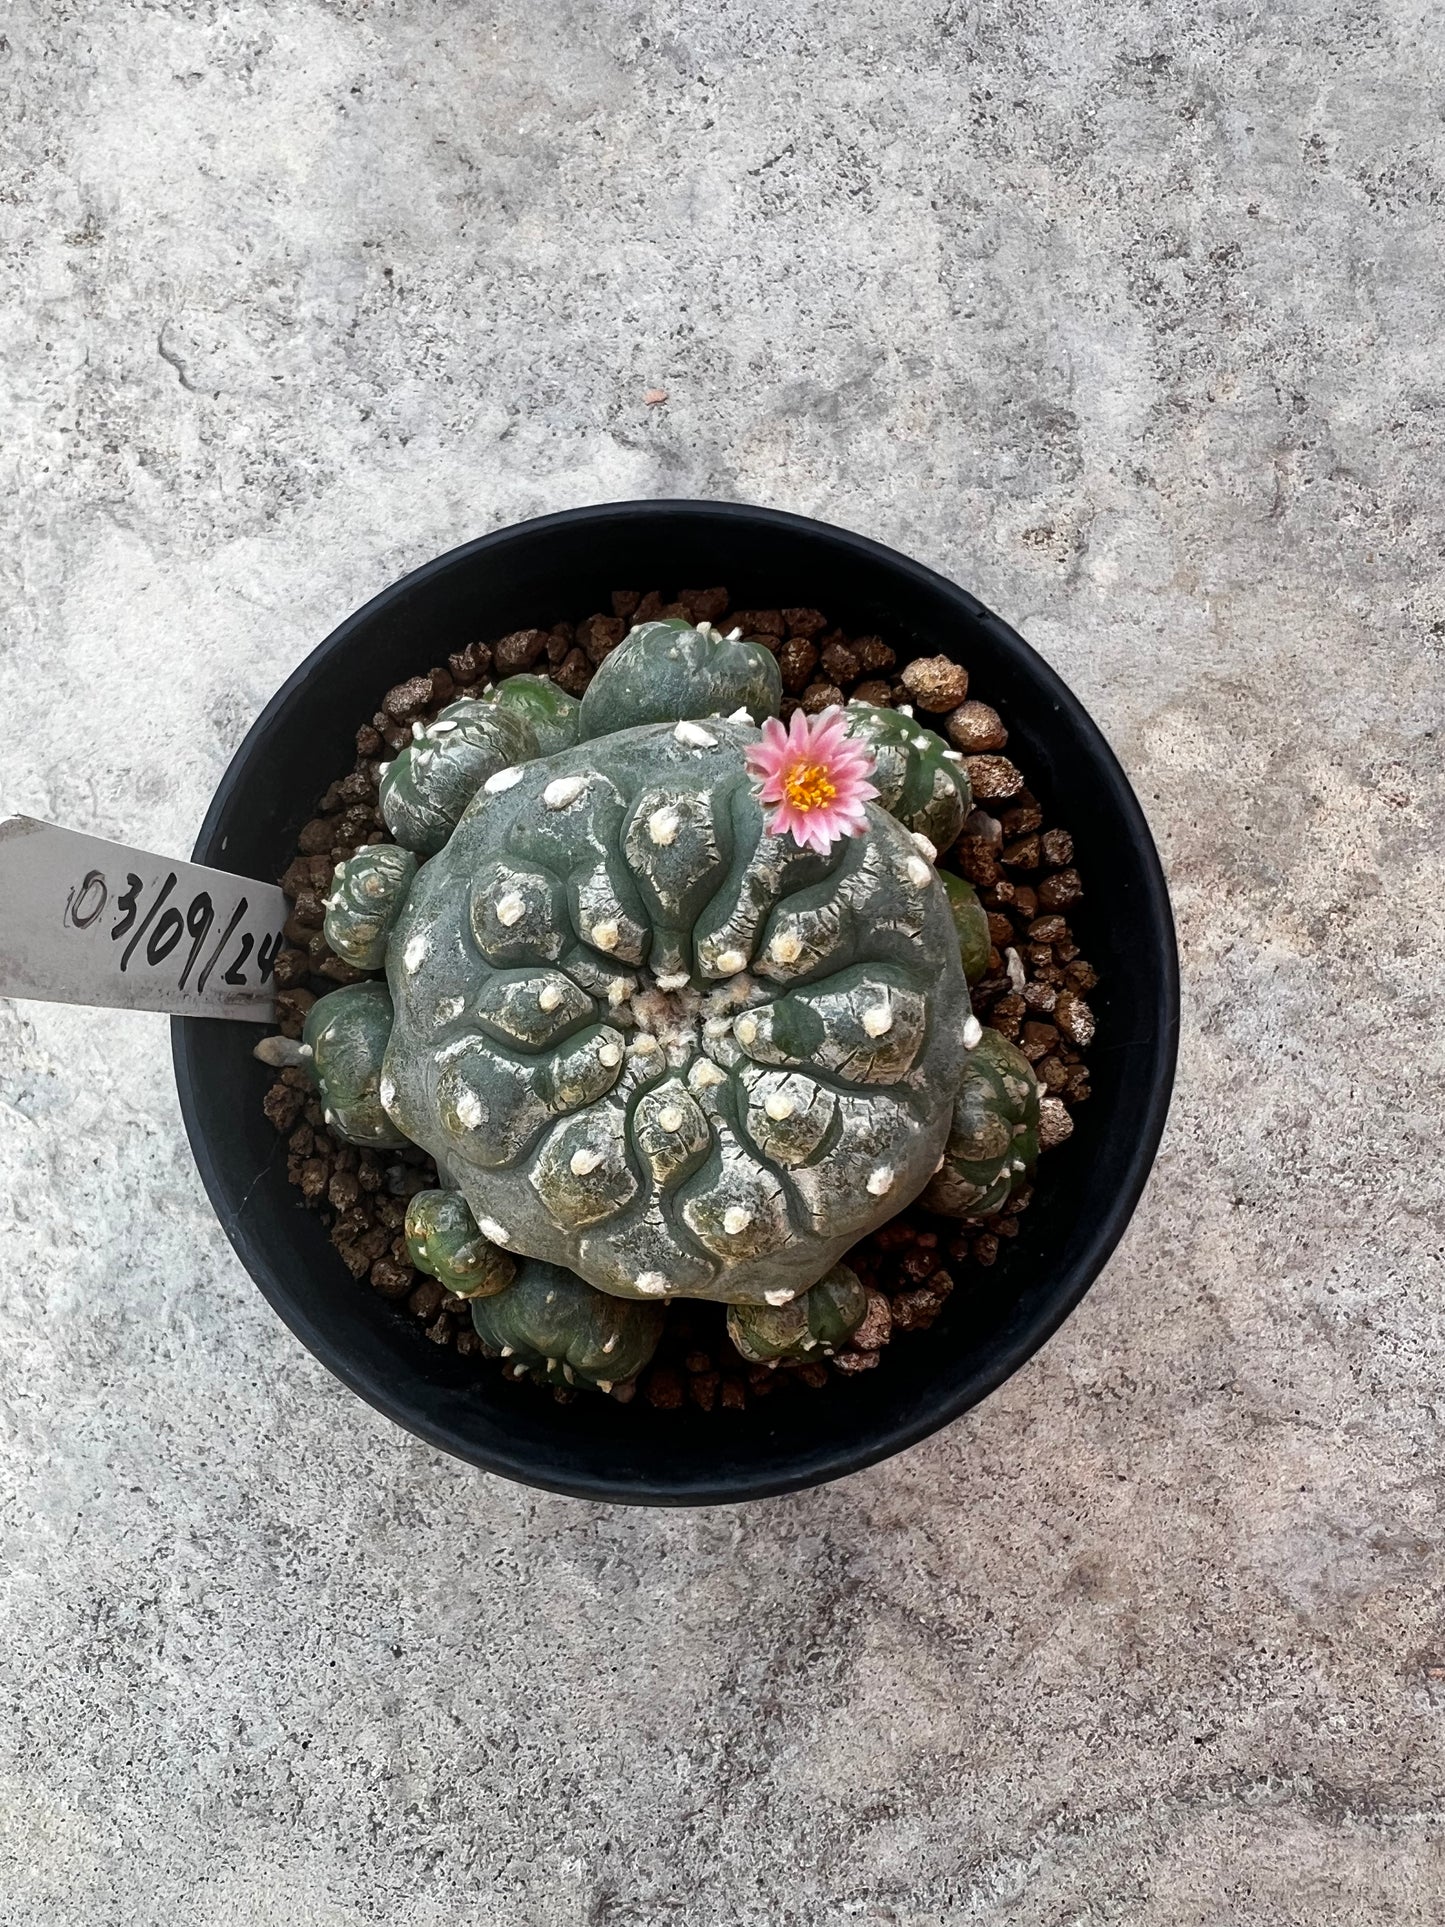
[817,777]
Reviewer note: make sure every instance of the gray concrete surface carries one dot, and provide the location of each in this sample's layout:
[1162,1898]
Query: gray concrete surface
[1125,315]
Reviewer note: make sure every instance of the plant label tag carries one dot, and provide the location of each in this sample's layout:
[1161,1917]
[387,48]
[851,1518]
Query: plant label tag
[90,922]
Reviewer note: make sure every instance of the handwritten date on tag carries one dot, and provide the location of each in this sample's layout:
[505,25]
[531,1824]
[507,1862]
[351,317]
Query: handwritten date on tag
[84,921]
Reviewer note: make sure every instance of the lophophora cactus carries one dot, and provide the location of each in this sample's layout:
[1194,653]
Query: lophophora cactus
[657,1048]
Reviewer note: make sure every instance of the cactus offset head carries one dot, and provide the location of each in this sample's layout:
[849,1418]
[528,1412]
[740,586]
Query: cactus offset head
[425,791]
[548,710]
[366,898]
[345,1037]
[994,1140]
[442,1239]
[920,779]
[814,1324]
[658,1049]
[554,1328]
[668,671]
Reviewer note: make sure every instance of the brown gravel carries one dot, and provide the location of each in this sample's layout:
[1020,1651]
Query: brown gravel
[1033,992]
[975,729]
[935,682]
[797,659]
[993,778]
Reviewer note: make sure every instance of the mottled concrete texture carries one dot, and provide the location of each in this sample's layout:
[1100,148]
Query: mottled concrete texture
[1124,315]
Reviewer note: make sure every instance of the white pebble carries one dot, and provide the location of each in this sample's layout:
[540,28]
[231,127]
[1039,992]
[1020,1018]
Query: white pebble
[746,1030]
[510,908]
[418,730]
[905,709]
[694,736]
[779,1105]
[1015,969]
[929,849]
[878,1020]
[606,934]
[880,1181]
[918,872]
[489,1228]
[611,1055]
[669,1118]
[604,1384]
[953,755]
[663,825]
[549,996]
[502,779]
[705,1073]
[469,1110]
[972,1033]
[651,1284]
[565,790]
[785,1296]
[921,742]
[584,1162]
[736,1218]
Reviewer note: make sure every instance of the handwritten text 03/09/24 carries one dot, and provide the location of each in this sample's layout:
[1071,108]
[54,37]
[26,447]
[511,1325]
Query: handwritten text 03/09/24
[155,933]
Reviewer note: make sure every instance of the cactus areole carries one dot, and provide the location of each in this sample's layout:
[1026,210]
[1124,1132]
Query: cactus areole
[664,1035]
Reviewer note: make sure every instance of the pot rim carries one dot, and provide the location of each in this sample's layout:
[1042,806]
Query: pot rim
[909,1426]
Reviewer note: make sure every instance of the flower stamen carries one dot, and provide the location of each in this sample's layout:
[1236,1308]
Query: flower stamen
[807,787]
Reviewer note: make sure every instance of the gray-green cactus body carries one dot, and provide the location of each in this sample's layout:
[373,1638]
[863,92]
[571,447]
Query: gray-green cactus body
[667,671]
[553,1326]
[366,898]
[971,922]
[653,1043]
[994,1140]
[425,791]
[442,1239]
[346,1033]
[919,779]
[550,713]
[814,1323]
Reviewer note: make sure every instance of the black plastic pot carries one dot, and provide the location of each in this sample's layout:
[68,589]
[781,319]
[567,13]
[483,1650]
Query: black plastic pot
[563,567]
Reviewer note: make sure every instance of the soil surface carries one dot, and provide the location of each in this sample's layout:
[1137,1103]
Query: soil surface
[1034,992]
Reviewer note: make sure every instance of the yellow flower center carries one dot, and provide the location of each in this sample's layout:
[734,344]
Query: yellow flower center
[808,786]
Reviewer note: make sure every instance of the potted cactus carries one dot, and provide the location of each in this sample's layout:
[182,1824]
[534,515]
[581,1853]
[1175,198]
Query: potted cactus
[675,1001]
